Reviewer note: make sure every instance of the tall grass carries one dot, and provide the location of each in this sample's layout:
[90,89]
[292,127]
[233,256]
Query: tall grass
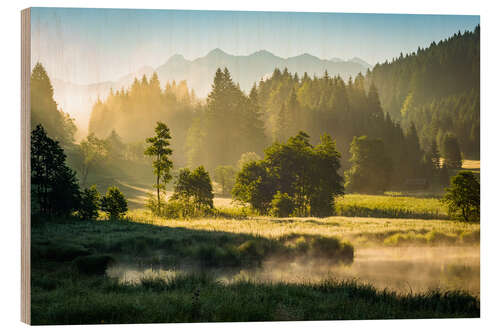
[61,299]
[360,231]
[69,259]
[362,205]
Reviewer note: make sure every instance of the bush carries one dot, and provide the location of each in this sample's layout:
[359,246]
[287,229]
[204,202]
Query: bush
[90,203]
[114,203]
[463,197]
[282,205]
[332,249]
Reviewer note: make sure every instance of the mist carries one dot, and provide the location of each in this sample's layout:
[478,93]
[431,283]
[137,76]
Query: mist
[402,269]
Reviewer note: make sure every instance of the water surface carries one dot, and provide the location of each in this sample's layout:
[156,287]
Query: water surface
[401,269]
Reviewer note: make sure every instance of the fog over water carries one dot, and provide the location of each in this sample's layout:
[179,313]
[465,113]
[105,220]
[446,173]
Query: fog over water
[401,269]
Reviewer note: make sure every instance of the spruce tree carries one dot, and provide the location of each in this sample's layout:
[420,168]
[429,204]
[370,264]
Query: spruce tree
[158,149]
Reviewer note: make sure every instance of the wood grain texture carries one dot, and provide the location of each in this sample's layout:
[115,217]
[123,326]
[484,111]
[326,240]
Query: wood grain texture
[25,166]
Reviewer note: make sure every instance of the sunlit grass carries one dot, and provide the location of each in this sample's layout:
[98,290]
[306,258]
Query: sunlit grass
[358,230]
[471,164]
[390,206]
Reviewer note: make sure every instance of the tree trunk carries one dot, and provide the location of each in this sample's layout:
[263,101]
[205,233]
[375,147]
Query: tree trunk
[158,189]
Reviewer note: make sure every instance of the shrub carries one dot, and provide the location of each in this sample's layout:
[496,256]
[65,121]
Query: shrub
[282,205]
[333,249]
[114,203]
[90,203]
[463,197]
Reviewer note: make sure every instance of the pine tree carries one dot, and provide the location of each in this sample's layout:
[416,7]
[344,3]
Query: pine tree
[434,155]
[55,189]
[158,149]
[451,152]
[44,111]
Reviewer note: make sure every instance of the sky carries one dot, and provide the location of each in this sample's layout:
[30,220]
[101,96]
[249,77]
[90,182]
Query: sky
[85,46]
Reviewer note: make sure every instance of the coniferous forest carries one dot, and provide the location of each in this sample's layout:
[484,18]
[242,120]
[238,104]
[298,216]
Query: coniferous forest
[411,103]
[196,202]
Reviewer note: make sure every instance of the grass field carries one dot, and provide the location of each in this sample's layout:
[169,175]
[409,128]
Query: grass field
[70,258]
[214,266]
[397,206]
[359,231]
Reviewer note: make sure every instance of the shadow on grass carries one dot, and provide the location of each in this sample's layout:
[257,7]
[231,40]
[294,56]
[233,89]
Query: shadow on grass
[69,287]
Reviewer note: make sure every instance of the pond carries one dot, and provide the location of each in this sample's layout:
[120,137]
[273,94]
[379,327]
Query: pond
[401,269]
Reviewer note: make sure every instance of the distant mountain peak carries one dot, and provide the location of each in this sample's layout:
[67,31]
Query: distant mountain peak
[217,52]
[177,57]
[361,62]
[307,55]
[262,53]
[335,59]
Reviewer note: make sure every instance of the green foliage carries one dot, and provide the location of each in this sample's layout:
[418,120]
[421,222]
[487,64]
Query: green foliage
[193,193]
[225,175]
[325,184]
[132,112]
[463,196]
[44,111]
[90,203]
[114,203]
[158,149]
[437,88]
[54,186]
[306,174]
[282,205]
[246,158]
[231,120]
[92,151]
[371,167]
[329,105]
[451,152]
[255,186]
[115,146]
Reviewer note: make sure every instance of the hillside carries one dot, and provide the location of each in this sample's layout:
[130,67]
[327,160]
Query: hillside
[437,88]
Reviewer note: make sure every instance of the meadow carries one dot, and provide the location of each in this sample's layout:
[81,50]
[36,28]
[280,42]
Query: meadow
[390,205]
[396,255]
[359,231]
[70,259]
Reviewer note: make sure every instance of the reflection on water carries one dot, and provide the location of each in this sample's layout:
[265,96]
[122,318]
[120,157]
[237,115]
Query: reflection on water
[412,269]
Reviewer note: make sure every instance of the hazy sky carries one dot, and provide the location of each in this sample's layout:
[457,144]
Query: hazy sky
[93,45]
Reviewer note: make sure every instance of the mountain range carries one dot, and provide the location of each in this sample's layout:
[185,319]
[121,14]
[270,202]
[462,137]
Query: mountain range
[77,99]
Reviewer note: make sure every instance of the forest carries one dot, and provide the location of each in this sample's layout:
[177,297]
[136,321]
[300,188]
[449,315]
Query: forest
[181,200]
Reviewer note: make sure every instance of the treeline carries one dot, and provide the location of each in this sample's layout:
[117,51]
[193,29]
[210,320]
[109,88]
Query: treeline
[107,155]
[413,105]
[436,88]
[44,109]
[131,113]
[55,190]
[232,124]
[285,104]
